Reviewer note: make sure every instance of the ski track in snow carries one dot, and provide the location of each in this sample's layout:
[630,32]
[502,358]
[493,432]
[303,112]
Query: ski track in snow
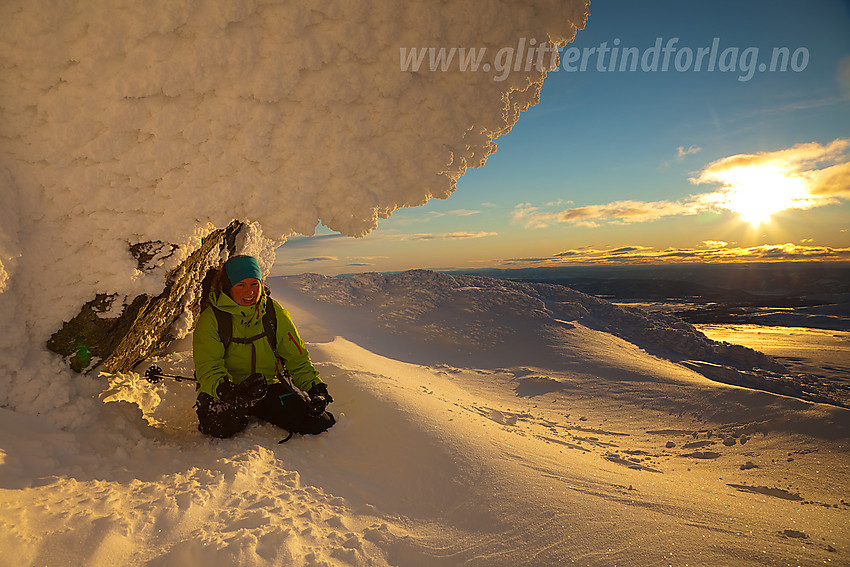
[585,449]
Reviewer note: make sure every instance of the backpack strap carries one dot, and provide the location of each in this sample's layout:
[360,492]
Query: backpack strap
[250,341]
[270,327]
[225,331]
[225,326]
[270,322]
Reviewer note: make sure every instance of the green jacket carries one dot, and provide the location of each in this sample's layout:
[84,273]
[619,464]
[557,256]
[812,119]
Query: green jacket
[212,364]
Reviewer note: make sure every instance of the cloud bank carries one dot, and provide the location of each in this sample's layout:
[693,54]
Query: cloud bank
[447,235]
[714,251]
[801,177]
[618,212]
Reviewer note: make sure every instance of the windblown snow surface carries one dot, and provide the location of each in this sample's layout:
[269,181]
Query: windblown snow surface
[481,422]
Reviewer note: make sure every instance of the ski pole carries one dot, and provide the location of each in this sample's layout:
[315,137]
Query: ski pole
[154,375]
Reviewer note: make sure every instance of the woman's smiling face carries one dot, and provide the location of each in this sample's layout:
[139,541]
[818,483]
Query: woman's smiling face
[246,292]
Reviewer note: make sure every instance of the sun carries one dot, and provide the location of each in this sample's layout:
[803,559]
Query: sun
[757,192]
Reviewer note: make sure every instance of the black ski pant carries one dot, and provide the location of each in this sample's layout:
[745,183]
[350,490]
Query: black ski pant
[280,406]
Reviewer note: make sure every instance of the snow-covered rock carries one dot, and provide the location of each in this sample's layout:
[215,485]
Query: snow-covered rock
[115,335]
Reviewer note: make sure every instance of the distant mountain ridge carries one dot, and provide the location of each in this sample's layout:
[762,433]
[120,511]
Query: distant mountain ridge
[818,292]
[801,278]
[483,314]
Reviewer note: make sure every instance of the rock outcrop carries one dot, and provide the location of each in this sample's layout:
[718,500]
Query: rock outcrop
[146,325]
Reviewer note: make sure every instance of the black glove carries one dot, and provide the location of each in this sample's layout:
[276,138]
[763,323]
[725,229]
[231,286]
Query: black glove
[319,399]
[244,394]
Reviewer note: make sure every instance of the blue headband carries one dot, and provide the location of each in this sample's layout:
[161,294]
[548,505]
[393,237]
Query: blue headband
[242,267]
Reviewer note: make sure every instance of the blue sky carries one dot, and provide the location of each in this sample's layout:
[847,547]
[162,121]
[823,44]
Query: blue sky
[600,170]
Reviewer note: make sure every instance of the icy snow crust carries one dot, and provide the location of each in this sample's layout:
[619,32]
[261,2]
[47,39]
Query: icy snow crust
[477,426]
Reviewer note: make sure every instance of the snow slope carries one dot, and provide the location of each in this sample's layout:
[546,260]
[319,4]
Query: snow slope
[477,426]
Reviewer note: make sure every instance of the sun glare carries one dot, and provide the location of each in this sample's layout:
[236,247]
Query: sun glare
[756,192]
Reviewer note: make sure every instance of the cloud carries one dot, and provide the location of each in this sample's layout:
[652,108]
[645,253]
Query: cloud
[282,265]
[447,235]
[718,252]
[626,250]
[431,215]
[801,177]
[801,160]
[831,182]
[842,75]
[753,185]
[681,152]
[310,241]
[527,261]
[618,212]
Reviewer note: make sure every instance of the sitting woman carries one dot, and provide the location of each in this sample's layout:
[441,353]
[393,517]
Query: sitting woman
[244,371]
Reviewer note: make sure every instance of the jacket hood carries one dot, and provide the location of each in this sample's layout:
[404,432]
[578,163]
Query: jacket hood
[246,315]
